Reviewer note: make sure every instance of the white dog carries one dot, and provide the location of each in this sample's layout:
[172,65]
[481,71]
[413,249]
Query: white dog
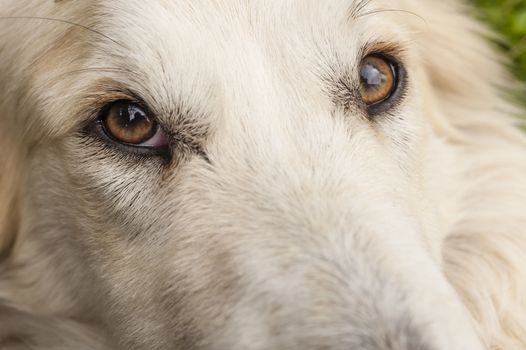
[293,174]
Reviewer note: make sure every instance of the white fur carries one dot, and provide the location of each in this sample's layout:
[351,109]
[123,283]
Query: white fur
[310,227]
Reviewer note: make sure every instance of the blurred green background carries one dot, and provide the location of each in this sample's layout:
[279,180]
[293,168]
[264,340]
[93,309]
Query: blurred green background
[508,17]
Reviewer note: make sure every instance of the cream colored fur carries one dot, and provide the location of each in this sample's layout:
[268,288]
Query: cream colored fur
[307,226]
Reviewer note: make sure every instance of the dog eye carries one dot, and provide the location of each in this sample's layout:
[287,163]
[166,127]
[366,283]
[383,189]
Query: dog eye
[378,80]
[127,123]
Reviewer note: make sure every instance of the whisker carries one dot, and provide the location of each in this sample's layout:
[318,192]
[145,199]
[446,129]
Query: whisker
[372,12]
[58,20]
[61,76]
[94,69]
[56,78]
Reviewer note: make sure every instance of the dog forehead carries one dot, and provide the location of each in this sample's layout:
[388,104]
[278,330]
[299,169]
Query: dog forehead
[241,8]
[223,20]
[182,38]
[181,50]
[219,32]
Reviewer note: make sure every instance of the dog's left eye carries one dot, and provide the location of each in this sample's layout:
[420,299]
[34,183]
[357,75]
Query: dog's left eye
[378,80]
[127,123]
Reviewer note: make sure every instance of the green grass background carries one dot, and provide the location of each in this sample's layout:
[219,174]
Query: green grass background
[508,18]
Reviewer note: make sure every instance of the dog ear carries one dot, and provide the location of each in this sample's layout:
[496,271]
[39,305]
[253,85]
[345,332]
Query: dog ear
[466,89]
[10,182]
[464,95]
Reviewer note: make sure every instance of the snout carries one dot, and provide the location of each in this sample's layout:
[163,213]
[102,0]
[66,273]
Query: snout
[305,256]
[327,302]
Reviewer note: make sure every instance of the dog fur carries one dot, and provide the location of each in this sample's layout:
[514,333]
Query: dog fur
[300,223]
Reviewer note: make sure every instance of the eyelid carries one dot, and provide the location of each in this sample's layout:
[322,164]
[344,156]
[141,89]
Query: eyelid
[392,51]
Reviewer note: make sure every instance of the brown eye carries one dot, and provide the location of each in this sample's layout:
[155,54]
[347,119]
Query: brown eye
[127,123]
[132,129]
[378,79]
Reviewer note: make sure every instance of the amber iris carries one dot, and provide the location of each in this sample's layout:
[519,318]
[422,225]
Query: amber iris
[127,122]
[377,79]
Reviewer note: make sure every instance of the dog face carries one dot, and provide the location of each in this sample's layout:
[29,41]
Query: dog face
[238,176]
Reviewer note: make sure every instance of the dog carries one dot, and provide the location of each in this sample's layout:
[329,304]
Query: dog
[296,174]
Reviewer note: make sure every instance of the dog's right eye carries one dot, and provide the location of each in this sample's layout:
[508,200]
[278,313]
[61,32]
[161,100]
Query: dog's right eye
[128,124]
